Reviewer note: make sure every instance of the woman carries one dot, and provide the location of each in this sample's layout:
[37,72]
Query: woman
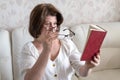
[47,57]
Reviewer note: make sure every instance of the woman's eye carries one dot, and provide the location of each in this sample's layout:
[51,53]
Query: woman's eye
[55,24]
[47,24]
[51,24]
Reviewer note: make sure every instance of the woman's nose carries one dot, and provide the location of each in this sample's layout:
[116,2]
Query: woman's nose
[53,25]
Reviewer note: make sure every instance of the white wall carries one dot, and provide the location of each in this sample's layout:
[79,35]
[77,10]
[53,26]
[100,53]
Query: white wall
[15,13]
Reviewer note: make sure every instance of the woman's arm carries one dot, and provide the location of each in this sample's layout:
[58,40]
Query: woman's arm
[87,68]
[36,72]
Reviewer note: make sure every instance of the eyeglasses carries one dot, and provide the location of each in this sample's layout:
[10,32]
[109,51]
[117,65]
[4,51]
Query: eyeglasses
[70,35]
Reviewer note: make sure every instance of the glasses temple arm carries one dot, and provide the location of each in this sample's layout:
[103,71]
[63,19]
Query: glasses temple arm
[70,31]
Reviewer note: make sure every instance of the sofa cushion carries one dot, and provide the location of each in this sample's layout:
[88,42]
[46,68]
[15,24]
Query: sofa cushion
[110,50]
[113,74]
[5,56]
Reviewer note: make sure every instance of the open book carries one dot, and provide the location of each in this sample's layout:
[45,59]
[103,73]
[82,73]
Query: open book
[94,41]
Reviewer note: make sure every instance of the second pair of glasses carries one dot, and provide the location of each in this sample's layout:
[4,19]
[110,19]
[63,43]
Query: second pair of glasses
[70,35]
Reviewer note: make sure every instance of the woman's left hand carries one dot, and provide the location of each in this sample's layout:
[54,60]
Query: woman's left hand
[94,62]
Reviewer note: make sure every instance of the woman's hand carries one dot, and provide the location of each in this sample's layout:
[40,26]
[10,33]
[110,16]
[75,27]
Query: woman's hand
[48,38]
[87,68]
[94,62]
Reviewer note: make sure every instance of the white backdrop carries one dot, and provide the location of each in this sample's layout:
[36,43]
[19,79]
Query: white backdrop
[15,13]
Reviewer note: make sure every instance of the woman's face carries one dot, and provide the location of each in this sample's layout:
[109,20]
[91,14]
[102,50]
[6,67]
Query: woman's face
[50,23]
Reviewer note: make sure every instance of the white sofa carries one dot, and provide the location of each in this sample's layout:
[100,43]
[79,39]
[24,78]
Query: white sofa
[6,71]
[109,69]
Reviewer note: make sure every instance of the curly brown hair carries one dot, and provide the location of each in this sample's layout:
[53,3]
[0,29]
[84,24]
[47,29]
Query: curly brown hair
[38,15]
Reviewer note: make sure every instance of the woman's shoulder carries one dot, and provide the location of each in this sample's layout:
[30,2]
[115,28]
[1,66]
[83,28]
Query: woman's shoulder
[28,47]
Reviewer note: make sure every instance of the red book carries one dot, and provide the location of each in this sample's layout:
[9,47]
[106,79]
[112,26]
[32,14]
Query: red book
[94,41]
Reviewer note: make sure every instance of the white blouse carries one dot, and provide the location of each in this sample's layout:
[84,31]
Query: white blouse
[62,68]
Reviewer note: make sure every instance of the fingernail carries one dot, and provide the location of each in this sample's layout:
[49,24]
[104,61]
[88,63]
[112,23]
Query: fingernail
[54,29]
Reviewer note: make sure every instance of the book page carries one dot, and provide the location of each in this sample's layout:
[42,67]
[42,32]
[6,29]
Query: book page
[96,27]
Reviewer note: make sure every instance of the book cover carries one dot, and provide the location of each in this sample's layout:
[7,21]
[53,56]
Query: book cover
[94,41]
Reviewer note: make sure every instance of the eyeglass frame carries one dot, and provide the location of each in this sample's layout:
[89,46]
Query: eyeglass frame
[68,35]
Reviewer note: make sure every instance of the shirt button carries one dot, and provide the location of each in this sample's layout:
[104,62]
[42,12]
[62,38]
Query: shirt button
[53,65]
[55,75]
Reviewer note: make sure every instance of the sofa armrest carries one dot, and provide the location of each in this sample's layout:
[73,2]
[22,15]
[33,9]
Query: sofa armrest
[5,56]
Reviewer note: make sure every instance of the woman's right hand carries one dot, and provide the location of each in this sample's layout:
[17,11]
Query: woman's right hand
[48,38]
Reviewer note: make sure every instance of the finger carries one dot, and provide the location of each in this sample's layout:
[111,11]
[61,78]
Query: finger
[52,37]
[95,59]
[56,29]
[98,56]
[52,34]
[49,33]
[93,63]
